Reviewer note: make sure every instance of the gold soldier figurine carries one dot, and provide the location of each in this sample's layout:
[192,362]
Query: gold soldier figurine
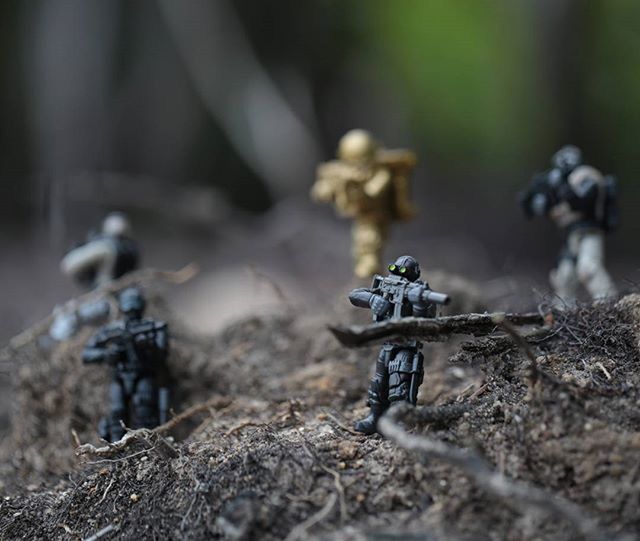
[371,185]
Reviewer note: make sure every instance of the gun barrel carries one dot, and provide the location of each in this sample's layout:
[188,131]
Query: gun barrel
[436,298]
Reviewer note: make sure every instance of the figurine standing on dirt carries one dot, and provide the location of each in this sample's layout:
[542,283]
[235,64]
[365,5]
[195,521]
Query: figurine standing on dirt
[137,350]
[583,203]
[370,185]
[105,256]
[399,369]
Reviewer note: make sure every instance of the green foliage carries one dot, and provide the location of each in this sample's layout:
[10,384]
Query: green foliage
[469,70]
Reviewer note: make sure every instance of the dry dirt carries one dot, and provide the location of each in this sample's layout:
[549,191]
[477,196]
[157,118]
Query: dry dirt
[271,455]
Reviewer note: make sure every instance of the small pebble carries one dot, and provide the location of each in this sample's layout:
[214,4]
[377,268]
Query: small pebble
[134,498]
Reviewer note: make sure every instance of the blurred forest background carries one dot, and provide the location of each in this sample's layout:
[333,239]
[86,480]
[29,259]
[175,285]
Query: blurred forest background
[205,119]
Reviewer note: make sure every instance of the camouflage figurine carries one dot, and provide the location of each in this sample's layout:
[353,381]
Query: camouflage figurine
[399,369]
[370,185]
[583,204]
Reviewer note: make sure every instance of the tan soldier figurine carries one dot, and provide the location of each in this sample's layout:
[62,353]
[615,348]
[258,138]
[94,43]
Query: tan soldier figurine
[370,185]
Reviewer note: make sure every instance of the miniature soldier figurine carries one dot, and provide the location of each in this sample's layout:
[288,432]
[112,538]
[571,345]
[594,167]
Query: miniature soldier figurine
[137,350]
[370,185]
[399,369]
[104,257]
[583,203]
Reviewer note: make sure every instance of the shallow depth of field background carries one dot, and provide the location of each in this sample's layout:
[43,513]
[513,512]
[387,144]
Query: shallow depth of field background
[205,120]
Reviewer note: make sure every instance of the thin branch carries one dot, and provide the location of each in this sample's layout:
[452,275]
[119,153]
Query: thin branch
[138,277]
[429,329]
[300,531]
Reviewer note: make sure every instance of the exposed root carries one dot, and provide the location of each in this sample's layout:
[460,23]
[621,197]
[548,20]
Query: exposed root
[148,439]
[518,494]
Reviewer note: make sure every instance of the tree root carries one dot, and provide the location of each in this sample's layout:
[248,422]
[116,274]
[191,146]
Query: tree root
[519,494]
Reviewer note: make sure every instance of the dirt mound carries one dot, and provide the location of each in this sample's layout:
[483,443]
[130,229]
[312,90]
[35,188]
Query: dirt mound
[271,455]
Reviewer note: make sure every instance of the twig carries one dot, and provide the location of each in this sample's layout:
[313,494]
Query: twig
[340,489]
[604,370]
[279,292]
[106,490]
[300,531]
[242,425]
[101,533]
[520,494]
[146,436]
[122,458]
[216,402]
[429,329]
[341,425]
[142,276]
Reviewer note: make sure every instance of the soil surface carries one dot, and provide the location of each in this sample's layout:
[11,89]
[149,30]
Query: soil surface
[262,447]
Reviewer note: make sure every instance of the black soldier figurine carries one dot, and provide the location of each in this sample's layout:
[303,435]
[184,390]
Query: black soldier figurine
[137,350]
[399,369]
[583,204]
[105,256]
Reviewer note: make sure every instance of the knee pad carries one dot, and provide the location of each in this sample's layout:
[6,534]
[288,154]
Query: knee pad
[401,368]
[587,269]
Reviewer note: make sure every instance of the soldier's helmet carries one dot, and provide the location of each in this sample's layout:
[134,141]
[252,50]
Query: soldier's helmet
[357,146]
[131,302]
[407,267]
[116,224]
[567,158]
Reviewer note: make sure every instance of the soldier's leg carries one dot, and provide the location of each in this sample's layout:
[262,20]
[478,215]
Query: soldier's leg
[145,404]
[368,241]
[590,267]
[378,400]
[406,372]
[112,430]
[564,280]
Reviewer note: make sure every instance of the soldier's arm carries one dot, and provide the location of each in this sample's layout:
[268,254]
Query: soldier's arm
[84,257]
[324,188]
[537,200]
[361,297]
[365,298]
[419,307]
[162,341]
[583,187]
[378,183]
[95,350]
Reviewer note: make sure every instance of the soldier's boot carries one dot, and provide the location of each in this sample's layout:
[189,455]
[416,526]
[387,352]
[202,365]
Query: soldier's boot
[377,396]
[369,425]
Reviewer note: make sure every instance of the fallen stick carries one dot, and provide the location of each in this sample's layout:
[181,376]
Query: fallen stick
[517,493]
[429,329]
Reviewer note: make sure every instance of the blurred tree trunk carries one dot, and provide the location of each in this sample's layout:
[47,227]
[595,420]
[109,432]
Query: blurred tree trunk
[69,72]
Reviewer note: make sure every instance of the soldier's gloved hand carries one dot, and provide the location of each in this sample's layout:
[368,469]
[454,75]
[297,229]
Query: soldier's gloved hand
[415,296]
[379,305]
[112,354]
[539,204]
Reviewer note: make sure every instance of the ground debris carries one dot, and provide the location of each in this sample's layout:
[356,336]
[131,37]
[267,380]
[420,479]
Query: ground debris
[261,446]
